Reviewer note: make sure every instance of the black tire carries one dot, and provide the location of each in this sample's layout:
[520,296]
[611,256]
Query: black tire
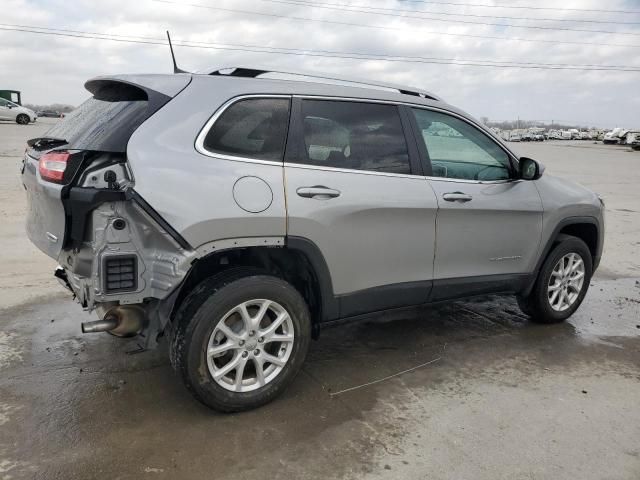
[22,119]
[536,305]
[197,318]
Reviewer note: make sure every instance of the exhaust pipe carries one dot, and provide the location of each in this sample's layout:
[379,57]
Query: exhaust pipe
[121,321]
[108,323]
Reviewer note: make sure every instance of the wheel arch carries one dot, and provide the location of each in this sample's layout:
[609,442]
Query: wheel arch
[299,262]
[587,229]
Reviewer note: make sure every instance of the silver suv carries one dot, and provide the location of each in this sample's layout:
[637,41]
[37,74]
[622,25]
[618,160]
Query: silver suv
[240,212]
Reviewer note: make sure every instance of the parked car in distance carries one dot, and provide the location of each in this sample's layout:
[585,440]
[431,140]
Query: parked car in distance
[514,137]
[14,112]
[614,136]
[537,137]
[554,135]
[283,203]
[575,134]
[566,135]
[49,113]
[630,137]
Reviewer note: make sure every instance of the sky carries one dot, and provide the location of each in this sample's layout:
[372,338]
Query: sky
[52,69]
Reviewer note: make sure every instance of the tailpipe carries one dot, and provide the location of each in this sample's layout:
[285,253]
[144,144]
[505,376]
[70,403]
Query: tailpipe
[104,325]
[121,321]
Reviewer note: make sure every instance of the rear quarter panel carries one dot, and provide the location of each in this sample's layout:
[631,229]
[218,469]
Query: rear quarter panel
[193,191]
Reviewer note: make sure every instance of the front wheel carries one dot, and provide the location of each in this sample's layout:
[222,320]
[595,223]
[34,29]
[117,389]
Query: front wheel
[238,342]
[22,119]
[562,283]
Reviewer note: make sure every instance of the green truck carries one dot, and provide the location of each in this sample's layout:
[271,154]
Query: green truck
[11,95]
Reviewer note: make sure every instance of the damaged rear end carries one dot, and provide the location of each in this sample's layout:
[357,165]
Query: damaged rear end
[116,254]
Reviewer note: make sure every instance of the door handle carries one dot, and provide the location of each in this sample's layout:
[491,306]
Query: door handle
[318,191]
[457,197]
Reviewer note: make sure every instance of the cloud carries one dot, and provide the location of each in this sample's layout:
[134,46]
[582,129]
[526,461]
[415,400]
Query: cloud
[49,69]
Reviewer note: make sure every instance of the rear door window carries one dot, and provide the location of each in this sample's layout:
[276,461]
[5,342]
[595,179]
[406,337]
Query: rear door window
[254,128]
[354,135]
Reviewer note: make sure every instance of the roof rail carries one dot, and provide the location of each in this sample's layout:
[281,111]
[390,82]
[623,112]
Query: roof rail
[256,72]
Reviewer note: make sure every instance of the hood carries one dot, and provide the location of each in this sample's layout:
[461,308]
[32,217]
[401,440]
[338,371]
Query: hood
[25,110]
[566,191]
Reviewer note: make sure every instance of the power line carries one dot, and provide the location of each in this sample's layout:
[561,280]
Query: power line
[314,53]
[569,20]
[524,7]
[330,6]
[373,56]
[383,27]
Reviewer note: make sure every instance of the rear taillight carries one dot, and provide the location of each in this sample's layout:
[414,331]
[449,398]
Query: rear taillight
[52,166]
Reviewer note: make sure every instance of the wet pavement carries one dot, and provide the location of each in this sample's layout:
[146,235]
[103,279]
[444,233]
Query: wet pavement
[467,390]
[500,398]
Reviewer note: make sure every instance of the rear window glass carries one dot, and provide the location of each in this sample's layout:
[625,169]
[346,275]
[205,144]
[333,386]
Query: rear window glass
[101,125]
[254,128]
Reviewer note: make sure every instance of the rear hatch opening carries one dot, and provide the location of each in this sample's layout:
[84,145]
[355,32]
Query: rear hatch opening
[95,135]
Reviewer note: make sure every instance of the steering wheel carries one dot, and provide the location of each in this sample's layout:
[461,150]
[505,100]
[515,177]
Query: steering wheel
[477,175]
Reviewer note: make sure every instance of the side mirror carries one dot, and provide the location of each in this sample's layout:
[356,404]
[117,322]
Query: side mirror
[530,169]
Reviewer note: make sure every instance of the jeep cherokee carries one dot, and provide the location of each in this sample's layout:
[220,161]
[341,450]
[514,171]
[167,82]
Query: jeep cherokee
[240,211]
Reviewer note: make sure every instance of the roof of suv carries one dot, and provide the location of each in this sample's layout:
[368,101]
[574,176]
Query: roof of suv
[239,81]
[322,79]
[261,80]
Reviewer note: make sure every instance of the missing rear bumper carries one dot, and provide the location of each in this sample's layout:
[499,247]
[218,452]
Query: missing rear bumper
[61,274]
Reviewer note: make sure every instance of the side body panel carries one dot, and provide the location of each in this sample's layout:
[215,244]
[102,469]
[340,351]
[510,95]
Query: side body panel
[376,231]
[488,231]
[192,191]
[564,200]
[6,113]
[379,231]
[497,232]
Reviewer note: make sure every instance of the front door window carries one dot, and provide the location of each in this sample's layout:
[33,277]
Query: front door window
[460,151]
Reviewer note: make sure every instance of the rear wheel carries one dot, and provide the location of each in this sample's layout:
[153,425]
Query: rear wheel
[22,119]
[240,340]
[562,283]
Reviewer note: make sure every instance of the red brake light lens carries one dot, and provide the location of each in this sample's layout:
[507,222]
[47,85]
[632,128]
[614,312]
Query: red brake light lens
[52,166]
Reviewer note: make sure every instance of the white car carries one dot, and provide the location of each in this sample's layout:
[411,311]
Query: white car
[565,135]
[13,111]
[554,135]
[614,136]
[575,134]
[631,137]
[585,136]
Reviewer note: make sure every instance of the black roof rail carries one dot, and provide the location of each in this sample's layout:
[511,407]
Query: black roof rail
[256,72]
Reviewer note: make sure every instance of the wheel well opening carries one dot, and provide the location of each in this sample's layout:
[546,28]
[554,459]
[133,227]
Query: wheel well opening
[587,232]
[288,264]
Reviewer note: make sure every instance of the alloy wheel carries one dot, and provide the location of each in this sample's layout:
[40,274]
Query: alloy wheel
[250,345]
[565,284]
